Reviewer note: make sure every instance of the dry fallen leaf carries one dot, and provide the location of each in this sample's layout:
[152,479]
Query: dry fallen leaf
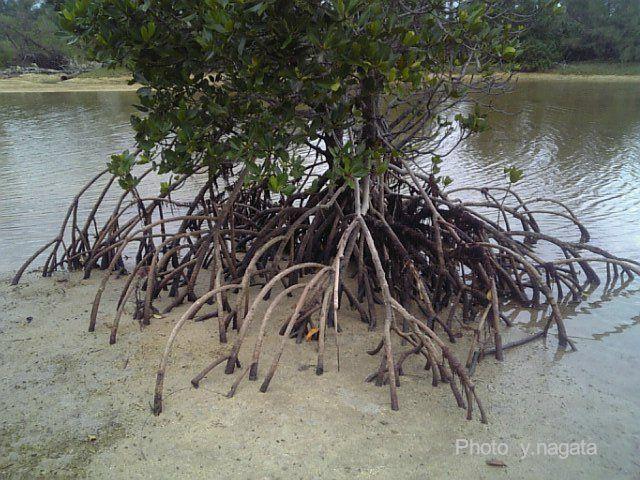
[311,333]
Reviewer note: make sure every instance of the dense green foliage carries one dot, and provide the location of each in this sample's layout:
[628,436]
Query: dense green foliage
[255,81]
[29,33]
[582,30]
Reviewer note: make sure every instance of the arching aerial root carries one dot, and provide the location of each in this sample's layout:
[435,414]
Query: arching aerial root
[417,265]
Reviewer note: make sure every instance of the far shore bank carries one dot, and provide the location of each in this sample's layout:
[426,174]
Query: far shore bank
[44,83]
[47,83]
[576,76]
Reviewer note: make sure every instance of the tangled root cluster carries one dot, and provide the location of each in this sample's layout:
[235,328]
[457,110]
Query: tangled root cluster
[407,245]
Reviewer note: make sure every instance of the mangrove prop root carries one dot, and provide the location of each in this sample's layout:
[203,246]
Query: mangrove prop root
[393,245]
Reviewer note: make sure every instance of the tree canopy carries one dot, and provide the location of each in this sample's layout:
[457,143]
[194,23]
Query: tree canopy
[579,30]
[249,80]
[582,30]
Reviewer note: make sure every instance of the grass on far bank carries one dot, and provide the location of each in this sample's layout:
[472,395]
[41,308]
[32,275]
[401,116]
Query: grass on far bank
[596,68]
[610,69]
[573,68]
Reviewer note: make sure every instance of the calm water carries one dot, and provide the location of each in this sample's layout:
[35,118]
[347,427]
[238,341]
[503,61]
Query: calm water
[50,145]
[575,140]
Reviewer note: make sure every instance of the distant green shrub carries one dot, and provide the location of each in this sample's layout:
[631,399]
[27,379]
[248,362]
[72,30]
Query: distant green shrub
[580,31]
[6,53]
[30,33]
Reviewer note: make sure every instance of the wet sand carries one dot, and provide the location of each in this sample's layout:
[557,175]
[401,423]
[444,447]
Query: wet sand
[72,406]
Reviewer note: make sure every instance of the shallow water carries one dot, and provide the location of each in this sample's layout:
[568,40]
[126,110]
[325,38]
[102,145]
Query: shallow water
[576,141]
[51,144]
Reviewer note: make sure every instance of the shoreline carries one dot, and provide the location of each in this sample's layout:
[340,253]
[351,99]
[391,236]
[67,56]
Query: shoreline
[575,77]
[43,83]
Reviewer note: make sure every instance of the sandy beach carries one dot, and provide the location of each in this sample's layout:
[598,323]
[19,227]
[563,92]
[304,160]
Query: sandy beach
[72,406]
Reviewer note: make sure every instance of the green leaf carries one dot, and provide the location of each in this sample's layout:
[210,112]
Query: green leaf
[509,52]
[410,39]
[514,174]
[382,168]
[68,14]
[274,185]
[288,190]
[147,31]
[257,8]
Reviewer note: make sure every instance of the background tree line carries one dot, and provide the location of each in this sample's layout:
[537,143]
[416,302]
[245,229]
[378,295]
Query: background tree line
[579,30]
[30,34]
